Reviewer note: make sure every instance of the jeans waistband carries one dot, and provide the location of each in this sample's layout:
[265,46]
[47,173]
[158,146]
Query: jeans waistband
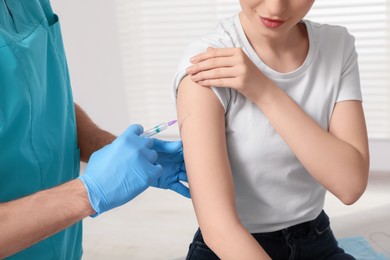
[305,228]
[320,222]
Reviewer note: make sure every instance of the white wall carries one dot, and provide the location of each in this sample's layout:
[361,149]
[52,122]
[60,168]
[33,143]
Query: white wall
[380,155]
[91,44]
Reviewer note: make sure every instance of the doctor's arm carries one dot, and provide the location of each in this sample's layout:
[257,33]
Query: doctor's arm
[26,221]
[114,175]
[202,129]
[90,137]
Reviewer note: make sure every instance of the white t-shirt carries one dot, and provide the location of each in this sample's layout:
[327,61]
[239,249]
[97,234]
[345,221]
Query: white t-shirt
[273,189]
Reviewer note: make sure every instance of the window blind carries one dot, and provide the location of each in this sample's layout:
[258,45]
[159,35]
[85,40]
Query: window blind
[154,33]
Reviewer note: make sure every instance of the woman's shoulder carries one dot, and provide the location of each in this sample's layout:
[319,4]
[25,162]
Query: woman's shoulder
[330,37]
[326,31]
[223,35]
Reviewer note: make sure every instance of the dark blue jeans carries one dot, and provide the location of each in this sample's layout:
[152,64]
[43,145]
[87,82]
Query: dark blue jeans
[310,240]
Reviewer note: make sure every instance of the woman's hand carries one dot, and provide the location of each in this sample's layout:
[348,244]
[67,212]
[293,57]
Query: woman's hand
[228,67]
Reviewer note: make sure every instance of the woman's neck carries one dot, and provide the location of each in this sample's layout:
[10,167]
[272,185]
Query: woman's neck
[283,53]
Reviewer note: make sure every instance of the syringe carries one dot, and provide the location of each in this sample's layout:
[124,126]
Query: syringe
[157,129]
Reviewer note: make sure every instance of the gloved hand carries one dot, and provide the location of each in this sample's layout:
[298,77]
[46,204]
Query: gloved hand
[170,157]
[120,171]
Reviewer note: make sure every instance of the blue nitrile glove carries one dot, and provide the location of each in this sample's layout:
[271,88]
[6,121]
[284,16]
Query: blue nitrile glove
[170,157]
[120,171]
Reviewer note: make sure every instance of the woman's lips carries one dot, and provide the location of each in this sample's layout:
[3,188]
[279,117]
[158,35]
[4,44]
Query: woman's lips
[271,23]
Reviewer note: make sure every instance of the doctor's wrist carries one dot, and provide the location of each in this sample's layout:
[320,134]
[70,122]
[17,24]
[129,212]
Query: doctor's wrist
[83,198]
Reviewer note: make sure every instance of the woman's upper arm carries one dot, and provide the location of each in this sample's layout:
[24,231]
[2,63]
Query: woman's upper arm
[202,128]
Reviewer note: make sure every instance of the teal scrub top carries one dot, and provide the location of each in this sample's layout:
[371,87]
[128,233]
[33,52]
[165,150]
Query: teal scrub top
[38,137]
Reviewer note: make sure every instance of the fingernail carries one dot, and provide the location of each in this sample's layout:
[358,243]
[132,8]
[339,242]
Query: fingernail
[193,59]
[189,69]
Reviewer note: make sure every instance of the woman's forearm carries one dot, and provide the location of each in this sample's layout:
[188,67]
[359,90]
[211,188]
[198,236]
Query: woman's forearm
[26,221]
[339,163]
[233,242]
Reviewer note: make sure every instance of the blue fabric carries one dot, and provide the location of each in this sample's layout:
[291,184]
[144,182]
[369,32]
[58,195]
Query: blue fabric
[360,248]
[38,141]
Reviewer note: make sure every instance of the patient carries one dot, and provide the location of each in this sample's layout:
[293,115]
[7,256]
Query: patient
[270,113]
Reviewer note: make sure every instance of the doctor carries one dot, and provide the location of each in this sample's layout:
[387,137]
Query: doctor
[42,136]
